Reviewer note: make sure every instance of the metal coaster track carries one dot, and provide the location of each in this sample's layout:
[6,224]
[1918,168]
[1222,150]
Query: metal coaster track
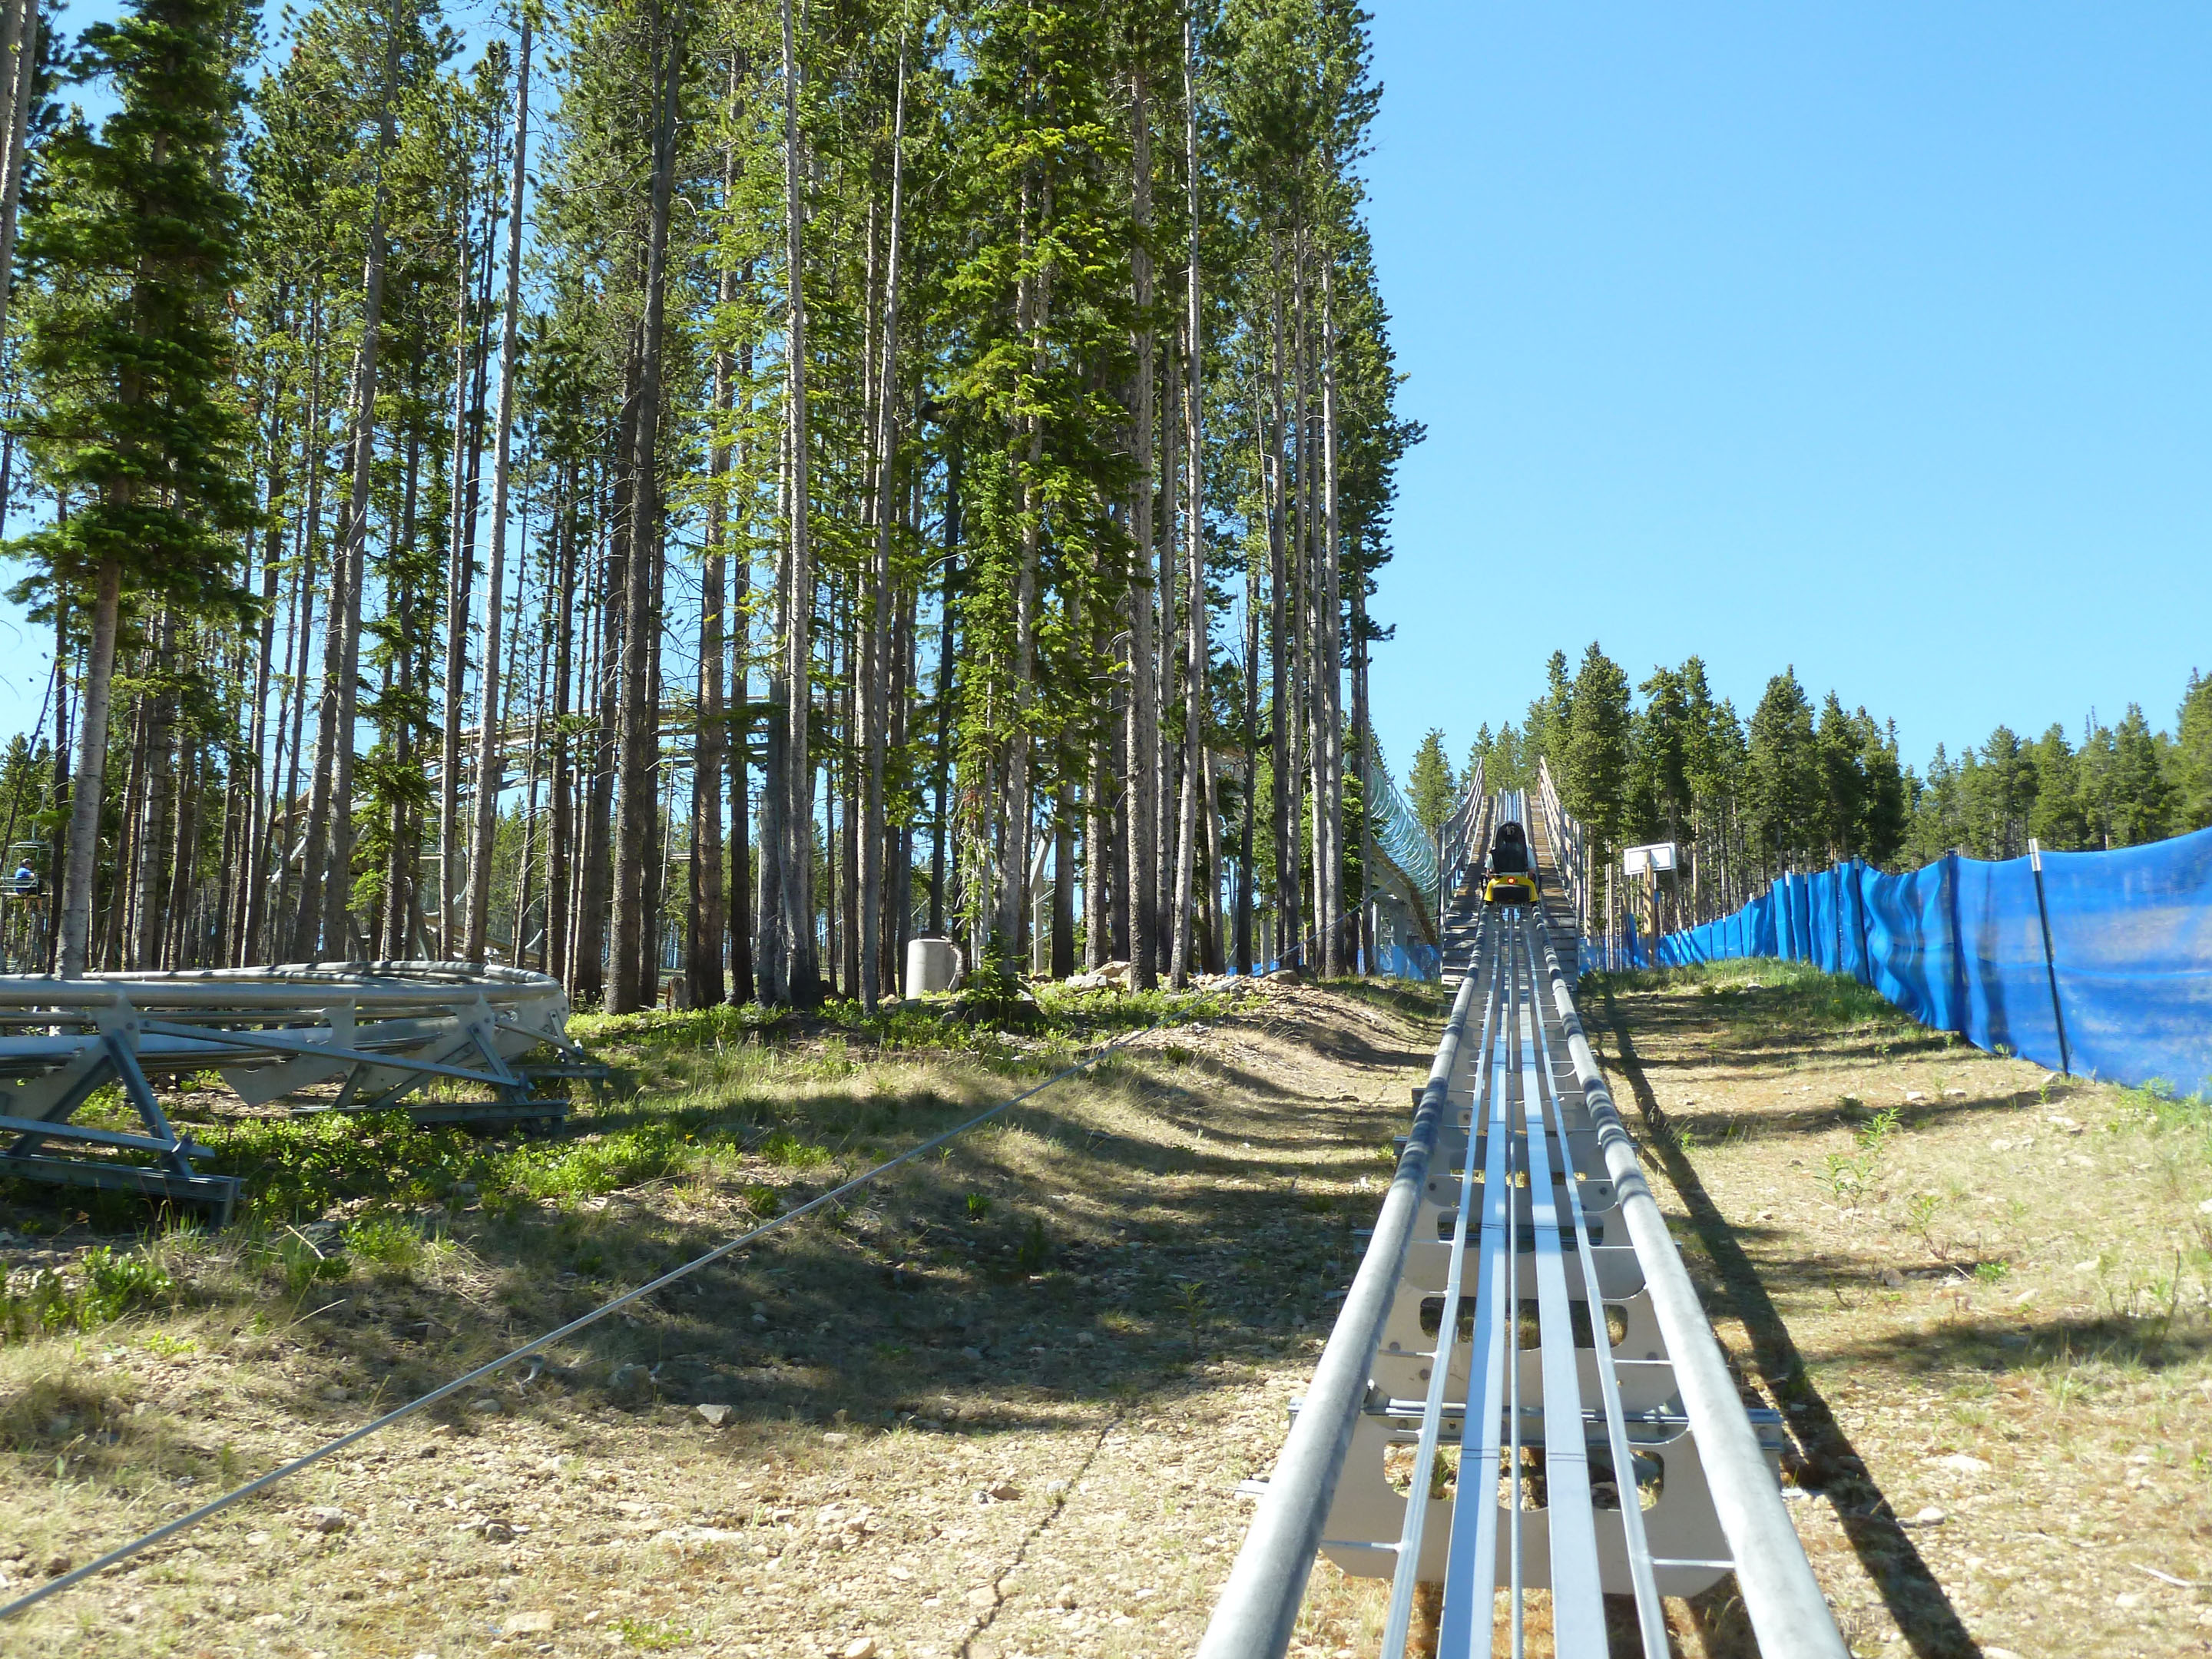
[1522,1329]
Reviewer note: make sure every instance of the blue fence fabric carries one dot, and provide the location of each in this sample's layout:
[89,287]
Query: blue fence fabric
[2104,969]
[1406,961]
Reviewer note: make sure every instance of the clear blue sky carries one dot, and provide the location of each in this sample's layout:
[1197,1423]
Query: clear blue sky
[1875,339]
[1871,337]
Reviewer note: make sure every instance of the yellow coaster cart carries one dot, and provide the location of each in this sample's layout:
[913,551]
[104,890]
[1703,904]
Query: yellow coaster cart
[1511,875]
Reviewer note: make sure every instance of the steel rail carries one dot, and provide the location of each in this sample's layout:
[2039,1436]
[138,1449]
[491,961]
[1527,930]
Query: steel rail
[1508,1322]
[169,1530]
[1788,1614]
[1399,1620]
[1650,1615]
[1577,1597]
[1259,1606]
[1471,1562]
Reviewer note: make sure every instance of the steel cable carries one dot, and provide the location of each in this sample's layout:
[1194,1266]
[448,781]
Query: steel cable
[170,1528]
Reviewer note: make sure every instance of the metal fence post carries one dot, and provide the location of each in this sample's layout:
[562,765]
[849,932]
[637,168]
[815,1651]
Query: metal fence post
[2049,961]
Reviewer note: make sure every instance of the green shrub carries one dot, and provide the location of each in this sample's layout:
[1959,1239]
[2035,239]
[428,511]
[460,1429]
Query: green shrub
[296,1167]
[787,1150]
[1036,1249]
[763,1201]
[302,1264]
[389,1240]
[598,1165]
[115,1285]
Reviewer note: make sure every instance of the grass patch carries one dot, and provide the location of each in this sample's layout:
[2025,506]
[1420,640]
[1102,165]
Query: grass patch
[1766,991]
[1416,998]
[105,1286]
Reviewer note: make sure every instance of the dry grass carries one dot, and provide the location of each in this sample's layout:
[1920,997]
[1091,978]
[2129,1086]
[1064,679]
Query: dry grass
[1096,1310]
[1982,1296]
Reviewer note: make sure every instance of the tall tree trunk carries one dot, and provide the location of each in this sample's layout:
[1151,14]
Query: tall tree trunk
[338,895]
[1330,665]
[282,939]
[20,71]
[403,857]
[254,865]
[1034,306]
[564,828]
[1167,644]
[742,988]
[1363,758]
[1098,820]
[898,926]
[589,968]
[85,799]
[635,964]
[1141,772]
[179,923]
[525,879]
[461,578]
[802,974]
[1282,720]
[490,770]
[115,926]
[1195,608]
[58,789]
[1063,881]
[307,919]
[707,927]
[1244,862]
[147,909]
[942,820]
[845,756]
[875,683]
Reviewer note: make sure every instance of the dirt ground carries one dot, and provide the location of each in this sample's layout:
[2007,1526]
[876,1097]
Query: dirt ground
[1985,1317]
[1001,1407]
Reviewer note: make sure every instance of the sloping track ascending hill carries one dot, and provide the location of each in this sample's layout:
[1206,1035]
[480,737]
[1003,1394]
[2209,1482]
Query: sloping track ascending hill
[1561,1468]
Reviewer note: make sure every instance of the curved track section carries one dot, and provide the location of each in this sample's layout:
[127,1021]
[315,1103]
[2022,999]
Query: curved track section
[350,1037]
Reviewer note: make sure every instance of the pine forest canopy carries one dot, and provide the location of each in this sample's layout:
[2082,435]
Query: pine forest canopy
[711,490]
[1797,785]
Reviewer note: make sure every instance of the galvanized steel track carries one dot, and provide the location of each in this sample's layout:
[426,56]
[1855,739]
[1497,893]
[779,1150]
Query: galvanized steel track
[1522,1348]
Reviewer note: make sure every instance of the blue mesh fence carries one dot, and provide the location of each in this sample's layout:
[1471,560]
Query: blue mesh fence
[2107,972]
[1406,961]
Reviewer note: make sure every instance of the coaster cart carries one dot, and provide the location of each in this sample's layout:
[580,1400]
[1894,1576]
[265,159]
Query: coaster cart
[1511,877]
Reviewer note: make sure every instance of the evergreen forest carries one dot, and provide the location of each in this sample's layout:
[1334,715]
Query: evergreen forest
[690,497]
[1801,787]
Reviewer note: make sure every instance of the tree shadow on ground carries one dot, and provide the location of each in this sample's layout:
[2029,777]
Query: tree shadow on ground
[1090,1253]
[1827,1462]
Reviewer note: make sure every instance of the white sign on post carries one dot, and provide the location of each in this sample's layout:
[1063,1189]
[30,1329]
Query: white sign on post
[1648,860]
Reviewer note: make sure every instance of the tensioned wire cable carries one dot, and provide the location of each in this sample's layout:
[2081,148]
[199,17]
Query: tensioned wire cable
[170,1529]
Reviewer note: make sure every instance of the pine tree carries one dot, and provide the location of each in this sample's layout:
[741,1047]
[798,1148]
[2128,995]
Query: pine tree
[1431,789]
[2191,756]
[134,257]
[1782,781]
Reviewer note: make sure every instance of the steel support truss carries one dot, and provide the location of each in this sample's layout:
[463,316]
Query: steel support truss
[379,1031]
